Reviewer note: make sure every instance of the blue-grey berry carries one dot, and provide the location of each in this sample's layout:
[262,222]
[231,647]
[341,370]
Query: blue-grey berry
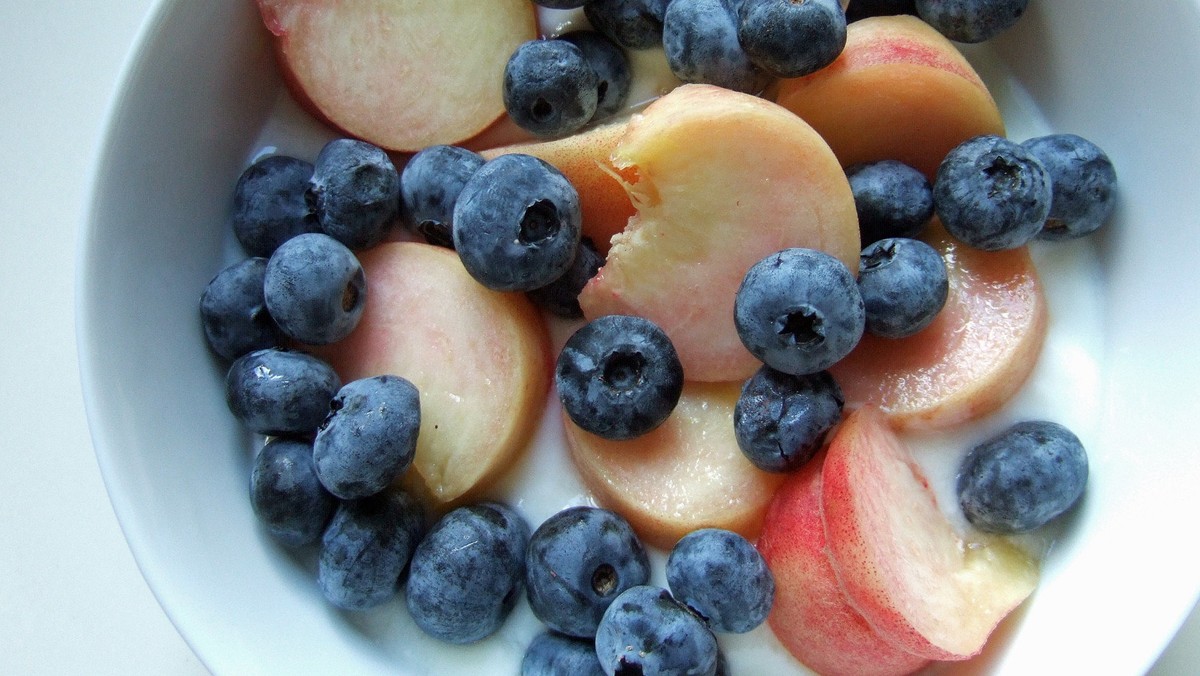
[1084,183]
[369,437]
[561,297]
[356,192]
[892,200]
[517,223]
[971,20]
[551,654]
[365,548]
[315,289]
[549,88]
[646,631]
[903,284]
[233,312]
[286,495]
[429,187]
[635,24]
[701,42]
[792,39]
[780,420]
[1022,478]
[722,577]
[991,193]
[271,205]
[468,572]
[577,562]
[278,392]
[613,74]
[619,376]
[799,311]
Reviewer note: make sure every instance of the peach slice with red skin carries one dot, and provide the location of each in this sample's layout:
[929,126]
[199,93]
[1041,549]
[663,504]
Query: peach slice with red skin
[584,159]
[480,359]
[898,559]
[687,473]
[972,359]
[719,180]
[812,617]
[401,75]
[899,91]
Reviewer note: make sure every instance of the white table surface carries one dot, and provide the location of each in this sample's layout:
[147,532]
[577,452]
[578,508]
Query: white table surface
[72,600]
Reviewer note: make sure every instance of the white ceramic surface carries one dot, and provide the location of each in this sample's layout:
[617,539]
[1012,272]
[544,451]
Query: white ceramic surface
[197,95]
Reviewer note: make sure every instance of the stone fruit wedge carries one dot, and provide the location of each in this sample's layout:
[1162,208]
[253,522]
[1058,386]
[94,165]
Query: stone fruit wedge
[899,91]
[897,557]
[972,359]
[812,617]
[481,360]
[400,74]
[584,159]
[688,473]
[719,181]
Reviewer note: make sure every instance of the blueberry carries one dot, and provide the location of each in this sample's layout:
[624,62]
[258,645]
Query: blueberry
[286,495]
[578,561]
[701,42]
[1022,478]
[780,421]
[792,39]
[549,88]
[619,376]
[636,24]
[356,190]
[561,4]
[722,577]
[613,75]
[892,200]
[862,9]
[971,20]
[799,311]
[276,391]
[903,285]
[369,437]
[551,654]
[991,193]
[645,631]
[233,312]
[270,204]
[466,575]
[429,186]
[315,289]
[561,297]
[365,548]
[1084,184]
[517,223]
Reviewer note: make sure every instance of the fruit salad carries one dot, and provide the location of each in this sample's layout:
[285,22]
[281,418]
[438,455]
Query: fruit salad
[634,338]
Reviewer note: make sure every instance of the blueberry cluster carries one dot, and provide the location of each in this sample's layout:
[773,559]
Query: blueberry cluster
[586,577]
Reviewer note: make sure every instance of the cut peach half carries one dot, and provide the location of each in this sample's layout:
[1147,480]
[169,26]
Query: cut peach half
[899,561]
[972,359]
[719,180]
[687,473]
[480,359]
[584,158]
[899,91]
[812,617]
[401,75]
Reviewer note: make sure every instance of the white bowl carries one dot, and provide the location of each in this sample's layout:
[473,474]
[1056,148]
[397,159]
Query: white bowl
[202,86]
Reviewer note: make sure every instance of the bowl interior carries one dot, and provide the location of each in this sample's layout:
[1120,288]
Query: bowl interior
[197,94]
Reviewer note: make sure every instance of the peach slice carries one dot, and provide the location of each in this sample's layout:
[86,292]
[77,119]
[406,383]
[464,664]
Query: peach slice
[401,75]
[899,91]
[812,617]
[481,360]
[720,180]
[584,159]
[897,557]
[975,355]
[688,473]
